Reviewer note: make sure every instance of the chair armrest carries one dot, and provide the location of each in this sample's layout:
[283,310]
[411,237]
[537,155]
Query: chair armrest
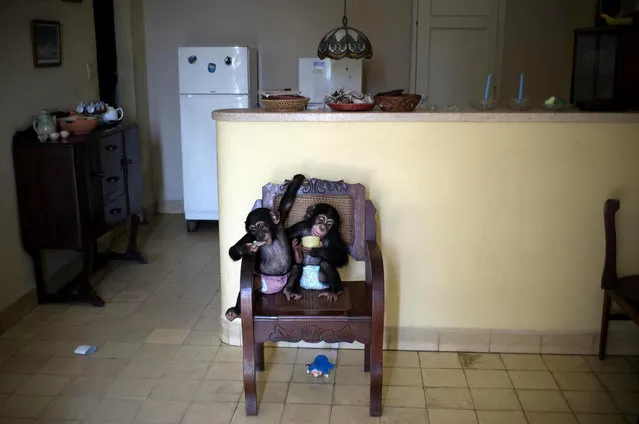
[374,268]
[246,286]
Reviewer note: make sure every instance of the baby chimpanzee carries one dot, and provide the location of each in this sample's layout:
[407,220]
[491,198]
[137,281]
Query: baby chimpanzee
[320,263]
[265,235]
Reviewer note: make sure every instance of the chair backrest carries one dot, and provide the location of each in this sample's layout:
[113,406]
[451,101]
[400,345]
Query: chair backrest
[348,199]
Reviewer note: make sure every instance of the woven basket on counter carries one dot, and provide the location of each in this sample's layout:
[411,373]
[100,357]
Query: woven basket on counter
[285,105]
[397,103]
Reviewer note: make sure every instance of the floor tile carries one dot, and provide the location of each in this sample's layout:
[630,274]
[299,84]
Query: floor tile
[187,370]
[225,371]
[270,392]
[610,364]
[353,357]
[44,385]
[402,377]
[448,398]
[306,414]
[352,395]
[626,402]
[115,411]
[196,353]
[403,397]
[404,416]
[145,368]
[542,380]
[202,338]
[168,336]
[131,388]
[590,402]
[23,364]
[276,373]
[276,355]
[73,408]
[551,418]
[268,413]
[88,386]
[161,412]
[523,362]
[495,399]
[24,406]
[229,354]
[351,375]
[219,391]
[12,382]
[401,359]
[443,378]
[118,350]
[501,417]
[169,389]
[618,382]
[306,356]
[566,363]
[155,351]
[577,381]
[321,394]
[481,361]
[542,401]
[600,419]
[451,416]
[209,413]
[104,367]
[439,360]
[343,414]
[489,379]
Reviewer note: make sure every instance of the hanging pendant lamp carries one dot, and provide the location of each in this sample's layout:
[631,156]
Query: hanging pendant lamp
[344,42]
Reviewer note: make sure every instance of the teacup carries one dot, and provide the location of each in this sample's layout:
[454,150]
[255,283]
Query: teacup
[311,242]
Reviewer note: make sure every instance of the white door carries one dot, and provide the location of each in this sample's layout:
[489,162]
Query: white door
[213,70]
[199,152]
[458,44]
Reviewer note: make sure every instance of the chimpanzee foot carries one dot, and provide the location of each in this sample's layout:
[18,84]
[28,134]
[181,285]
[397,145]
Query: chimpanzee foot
[232,313]
[290,295]
[330,296]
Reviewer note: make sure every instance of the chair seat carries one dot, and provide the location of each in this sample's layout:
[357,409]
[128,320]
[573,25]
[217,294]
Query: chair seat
[628,288]
[361,304]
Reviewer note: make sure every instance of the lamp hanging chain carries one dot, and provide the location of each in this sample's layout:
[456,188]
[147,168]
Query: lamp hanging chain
[344,18]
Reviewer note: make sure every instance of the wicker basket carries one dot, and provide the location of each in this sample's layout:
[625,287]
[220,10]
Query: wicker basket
[285,105]
[401,103]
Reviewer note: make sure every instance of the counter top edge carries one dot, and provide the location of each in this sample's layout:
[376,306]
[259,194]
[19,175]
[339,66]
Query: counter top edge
[260,115]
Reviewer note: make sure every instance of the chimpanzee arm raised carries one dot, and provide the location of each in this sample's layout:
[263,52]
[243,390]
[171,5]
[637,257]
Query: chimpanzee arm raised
[298,230]
[289,197]
[240,248]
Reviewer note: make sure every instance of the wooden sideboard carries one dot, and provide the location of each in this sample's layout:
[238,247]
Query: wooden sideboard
[72,193]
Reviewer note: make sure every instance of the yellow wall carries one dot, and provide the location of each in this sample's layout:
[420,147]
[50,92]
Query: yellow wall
[483,225]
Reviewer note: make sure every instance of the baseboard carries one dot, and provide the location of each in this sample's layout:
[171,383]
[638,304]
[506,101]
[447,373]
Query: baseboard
[621,341]
[22,306]
[171,207]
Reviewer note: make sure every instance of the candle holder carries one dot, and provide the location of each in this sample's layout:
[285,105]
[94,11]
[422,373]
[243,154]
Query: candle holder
[519,105]
[483,105]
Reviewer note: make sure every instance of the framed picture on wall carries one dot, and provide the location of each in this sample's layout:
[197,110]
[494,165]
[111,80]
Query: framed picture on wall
[47,43]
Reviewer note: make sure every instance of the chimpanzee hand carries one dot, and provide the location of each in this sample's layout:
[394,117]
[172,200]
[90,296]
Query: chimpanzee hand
[297,249]
[330,296]
[312,251]
[249,249]
[290,295]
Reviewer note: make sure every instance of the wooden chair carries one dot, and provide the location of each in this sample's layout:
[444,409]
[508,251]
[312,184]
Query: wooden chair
[625,290]
[357,316]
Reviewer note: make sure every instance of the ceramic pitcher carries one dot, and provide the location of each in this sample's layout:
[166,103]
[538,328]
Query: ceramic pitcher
[113,114]
[45,124]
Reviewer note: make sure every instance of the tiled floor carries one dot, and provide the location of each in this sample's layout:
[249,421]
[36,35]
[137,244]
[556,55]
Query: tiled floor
[159,362]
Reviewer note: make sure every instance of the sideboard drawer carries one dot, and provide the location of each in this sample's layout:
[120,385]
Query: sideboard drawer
[115,211]
[112,182]
[111,149]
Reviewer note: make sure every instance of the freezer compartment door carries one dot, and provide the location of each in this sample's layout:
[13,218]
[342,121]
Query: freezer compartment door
[199,151]
[213,70]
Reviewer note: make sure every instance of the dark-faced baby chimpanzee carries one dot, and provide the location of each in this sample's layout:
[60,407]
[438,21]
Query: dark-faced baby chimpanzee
[319,264]
[266,237]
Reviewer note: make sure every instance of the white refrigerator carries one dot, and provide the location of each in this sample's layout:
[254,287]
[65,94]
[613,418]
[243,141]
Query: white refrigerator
[211,78]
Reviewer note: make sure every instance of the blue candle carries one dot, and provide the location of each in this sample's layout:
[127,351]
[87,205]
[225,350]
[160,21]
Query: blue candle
[521,87]
[487,87]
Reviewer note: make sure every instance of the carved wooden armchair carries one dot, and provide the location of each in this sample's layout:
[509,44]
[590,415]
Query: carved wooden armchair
[357,316]
[625,290]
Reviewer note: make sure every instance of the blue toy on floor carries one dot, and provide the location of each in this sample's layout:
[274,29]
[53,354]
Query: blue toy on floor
[320,366]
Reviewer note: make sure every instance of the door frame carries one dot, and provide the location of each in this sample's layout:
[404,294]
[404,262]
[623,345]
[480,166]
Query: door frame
[499,52]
